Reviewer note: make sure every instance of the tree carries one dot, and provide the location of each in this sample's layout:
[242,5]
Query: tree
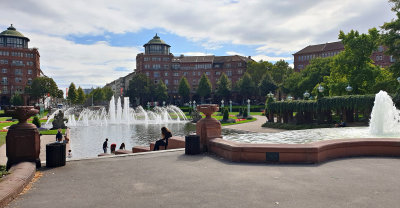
[161,92]
[247,87]
[204,88]
[353,66]
[16,100]
[97,95]
[140,89]
[223,87]
[80,98]
[184,89]
[256,70]
[108,93]
[280,71]
[60,94]
[72,95]
[391,38]
[266,85]
[36,121]
[41,87]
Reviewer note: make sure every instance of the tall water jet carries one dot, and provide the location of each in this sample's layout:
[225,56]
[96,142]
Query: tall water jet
[119,110]
[126,116]
[385,117]
[111,110]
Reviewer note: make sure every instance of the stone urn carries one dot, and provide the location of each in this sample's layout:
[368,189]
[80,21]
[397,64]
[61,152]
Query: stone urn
[22,140]
[208,128]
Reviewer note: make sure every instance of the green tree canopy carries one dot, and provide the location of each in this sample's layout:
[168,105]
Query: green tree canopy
[17,100]
[205,87]
[391,38]
[41,87]
[80,98]
[223,87]
[161,92]
[256,70]
[266,85]
[72,94]
[246,85]
[140,89]
[108,93]
[184,89]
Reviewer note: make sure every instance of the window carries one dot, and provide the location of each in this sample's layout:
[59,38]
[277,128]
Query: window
[165,58]
[29,63]
[3,61]
[176,81]
[175,66]
[5,90]
[166,82]
[392,59]
[18,79]
[18,71]
[239,64]
[17,63]
[176,74]
[166,74]
[156,59]
[4,80]
[146,59]
[379,58]
[156,66]
[207,73]
[29,71]
[228,65]
[4,71]
[229,73]
[217,73]
[166,66]
[194,73]
[198,73]
[147,74]
[194,81]
[240,71]
[300,66]
[156,74]
[29,81]
[380,48]
[185,73]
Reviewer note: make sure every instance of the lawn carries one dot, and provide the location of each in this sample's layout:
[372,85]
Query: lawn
[232,115]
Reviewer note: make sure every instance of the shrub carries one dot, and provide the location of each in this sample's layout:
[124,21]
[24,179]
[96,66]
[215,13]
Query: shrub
[36,121]
[226,114]
[245,115]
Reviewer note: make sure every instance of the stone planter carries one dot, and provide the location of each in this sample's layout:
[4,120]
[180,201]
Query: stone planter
[208,128]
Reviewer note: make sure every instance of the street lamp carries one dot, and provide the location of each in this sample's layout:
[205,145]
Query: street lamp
[398,79]
[349,88]
[194,104]
[289,97]
[222,103]
[306,95]
[148,105]
[163,103]
[320,88]
[230,106]
[270,94]
[248,107]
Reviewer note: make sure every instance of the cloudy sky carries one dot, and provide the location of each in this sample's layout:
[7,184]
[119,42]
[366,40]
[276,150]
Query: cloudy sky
[93,42]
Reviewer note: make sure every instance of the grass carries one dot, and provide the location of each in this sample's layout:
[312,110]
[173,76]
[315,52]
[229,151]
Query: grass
[3,138]
[51,132]
[295,126]
[232,115]
[239,122]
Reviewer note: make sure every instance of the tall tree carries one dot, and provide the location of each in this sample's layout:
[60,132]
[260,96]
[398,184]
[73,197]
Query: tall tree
[60,94]
[204,88]
[161,92]
[139,89]
[224,87]
[257,69]
[354,66]
[247,87]
[184,89]
[280,71]
[391,38]
[108,93]
[72,95]
[266,85]
[80,97]
[41,87]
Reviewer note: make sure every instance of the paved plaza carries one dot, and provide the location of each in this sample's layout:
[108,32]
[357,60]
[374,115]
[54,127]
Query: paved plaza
[173,179]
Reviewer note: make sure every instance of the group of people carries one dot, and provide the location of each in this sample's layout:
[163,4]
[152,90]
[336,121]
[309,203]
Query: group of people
[59,137]
[165,135]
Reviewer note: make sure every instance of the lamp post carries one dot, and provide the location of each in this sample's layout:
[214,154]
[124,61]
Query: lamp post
[349,88]
[306,95]
[248,107]
[148,105]
[163,103]
[321,91]
[289,97]
[270,94]
[398,79]
[222,103]
[230,106]
[190,104]
[194,105]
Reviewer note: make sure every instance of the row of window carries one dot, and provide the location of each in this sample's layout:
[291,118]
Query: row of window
[176,81]
[17,71]
[156,58]
[17,89]
[16,62]
[14,42]
[4,80]
[177,74]
[17,54]
[323,55]
[177,66]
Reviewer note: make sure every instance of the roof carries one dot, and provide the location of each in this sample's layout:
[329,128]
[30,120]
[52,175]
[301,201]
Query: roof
[212,58]
[11,31]
[156,40]
[321,48]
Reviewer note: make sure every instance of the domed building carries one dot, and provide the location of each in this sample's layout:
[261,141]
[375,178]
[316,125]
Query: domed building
[19,65]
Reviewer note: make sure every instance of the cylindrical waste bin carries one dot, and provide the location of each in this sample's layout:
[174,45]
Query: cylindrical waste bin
[55,154]
[192,145]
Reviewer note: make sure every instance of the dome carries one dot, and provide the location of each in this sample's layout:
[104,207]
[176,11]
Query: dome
[156,40]
[11,31]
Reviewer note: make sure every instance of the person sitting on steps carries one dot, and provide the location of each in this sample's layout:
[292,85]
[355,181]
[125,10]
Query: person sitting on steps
[165,134]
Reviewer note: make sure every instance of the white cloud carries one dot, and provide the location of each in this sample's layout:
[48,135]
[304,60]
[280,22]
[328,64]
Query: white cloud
[269,58]
[275,27]
[231,53]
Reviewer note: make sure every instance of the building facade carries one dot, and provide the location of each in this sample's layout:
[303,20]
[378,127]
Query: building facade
[19,64]
[159,64]
[303,57]
[120,85]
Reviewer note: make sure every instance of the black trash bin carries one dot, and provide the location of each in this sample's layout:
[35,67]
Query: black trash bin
[55,154]
[192,145]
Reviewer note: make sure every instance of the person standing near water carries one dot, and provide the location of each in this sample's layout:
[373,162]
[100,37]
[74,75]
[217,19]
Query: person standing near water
[59,136]
[105,145]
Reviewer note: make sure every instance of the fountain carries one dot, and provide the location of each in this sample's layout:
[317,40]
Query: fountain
[385,117]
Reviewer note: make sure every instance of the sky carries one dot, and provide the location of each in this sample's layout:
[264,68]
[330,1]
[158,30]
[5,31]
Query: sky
[94,42]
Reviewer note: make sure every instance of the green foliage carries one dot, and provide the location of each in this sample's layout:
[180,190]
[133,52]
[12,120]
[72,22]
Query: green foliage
[391,38]
[80,98]
[161,92]
[256,70]
[72,94]
[184,89]
[108,93]
[41,87]
[280,71]
[205,87]
[16,100]
[246,85]
[245,114]
[140,89]
[226,114]
[36,121]
[60,94]
[266,85]
[223,87]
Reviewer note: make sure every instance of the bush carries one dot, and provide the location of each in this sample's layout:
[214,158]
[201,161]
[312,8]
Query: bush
[245,114]
[226,114]
[17,100]
[36,121]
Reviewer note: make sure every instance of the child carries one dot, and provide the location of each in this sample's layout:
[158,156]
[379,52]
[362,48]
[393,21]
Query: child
[69,154]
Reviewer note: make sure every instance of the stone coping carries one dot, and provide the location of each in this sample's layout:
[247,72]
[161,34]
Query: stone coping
[14,183]
[305,153]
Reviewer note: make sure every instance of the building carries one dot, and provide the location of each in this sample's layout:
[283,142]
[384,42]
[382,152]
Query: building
[159,64]
[120,85]
[19,64]
[303,57]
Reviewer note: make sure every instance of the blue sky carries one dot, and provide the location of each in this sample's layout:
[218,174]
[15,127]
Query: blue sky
[94,42]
